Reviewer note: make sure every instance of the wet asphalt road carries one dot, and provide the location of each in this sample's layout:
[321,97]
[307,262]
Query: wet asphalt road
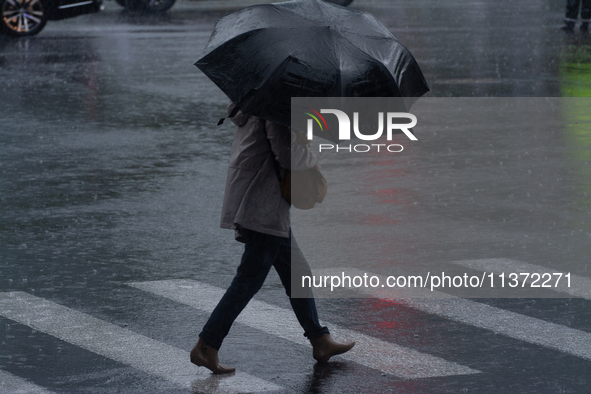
[112,173]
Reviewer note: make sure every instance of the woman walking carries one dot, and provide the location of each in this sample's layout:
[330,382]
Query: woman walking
[253,207]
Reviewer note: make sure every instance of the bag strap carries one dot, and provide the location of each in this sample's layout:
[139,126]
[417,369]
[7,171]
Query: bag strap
[275,162]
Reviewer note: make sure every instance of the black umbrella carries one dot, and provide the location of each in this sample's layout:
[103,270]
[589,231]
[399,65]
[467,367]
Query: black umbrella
[263,55]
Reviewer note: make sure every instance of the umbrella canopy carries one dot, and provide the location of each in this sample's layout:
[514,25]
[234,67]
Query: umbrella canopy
[263,55]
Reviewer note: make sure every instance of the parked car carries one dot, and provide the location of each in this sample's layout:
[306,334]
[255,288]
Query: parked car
[28,17]
[164,5]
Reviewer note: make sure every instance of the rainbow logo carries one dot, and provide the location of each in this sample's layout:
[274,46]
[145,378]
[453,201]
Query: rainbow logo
[315,116]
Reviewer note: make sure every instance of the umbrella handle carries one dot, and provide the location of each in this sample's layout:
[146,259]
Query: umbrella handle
[237,107]
[232,114]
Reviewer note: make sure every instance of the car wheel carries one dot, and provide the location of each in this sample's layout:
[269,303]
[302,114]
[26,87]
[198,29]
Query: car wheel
[22,17]
[157,5]
[132,5]
[341,2]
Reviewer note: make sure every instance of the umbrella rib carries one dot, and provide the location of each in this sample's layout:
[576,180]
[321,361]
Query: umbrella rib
[403,50]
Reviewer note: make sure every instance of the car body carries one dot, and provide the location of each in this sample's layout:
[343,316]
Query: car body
[28,17]
[156,6]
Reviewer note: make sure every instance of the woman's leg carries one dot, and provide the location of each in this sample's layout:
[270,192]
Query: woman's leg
[291,259]
[260,251]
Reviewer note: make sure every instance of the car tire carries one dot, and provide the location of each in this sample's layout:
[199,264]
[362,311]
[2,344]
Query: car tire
[132,5]
[344,3]
[157,5]
[150,6]
[22,17]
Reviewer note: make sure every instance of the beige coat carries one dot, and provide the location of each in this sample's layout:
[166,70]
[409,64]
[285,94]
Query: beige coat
[260,150]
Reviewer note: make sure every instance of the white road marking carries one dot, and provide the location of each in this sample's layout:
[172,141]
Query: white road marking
[12,384]
[579,286]
[371,352]
[123,345]
[500,321]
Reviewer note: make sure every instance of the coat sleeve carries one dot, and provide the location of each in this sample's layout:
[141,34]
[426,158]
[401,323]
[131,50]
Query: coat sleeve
[288,153]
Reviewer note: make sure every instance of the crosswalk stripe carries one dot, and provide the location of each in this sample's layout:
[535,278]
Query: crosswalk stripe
[12,384]
[371,352]
[500,321]
[579,286]
[123,345]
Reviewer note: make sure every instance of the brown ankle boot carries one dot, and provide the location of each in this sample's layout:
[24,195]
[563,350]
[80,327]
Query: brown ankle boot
[203,355]
[325,347]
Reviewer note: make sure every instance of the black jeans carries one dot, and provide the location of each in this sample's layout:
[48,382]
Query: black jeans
[261,251]
[572,10]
